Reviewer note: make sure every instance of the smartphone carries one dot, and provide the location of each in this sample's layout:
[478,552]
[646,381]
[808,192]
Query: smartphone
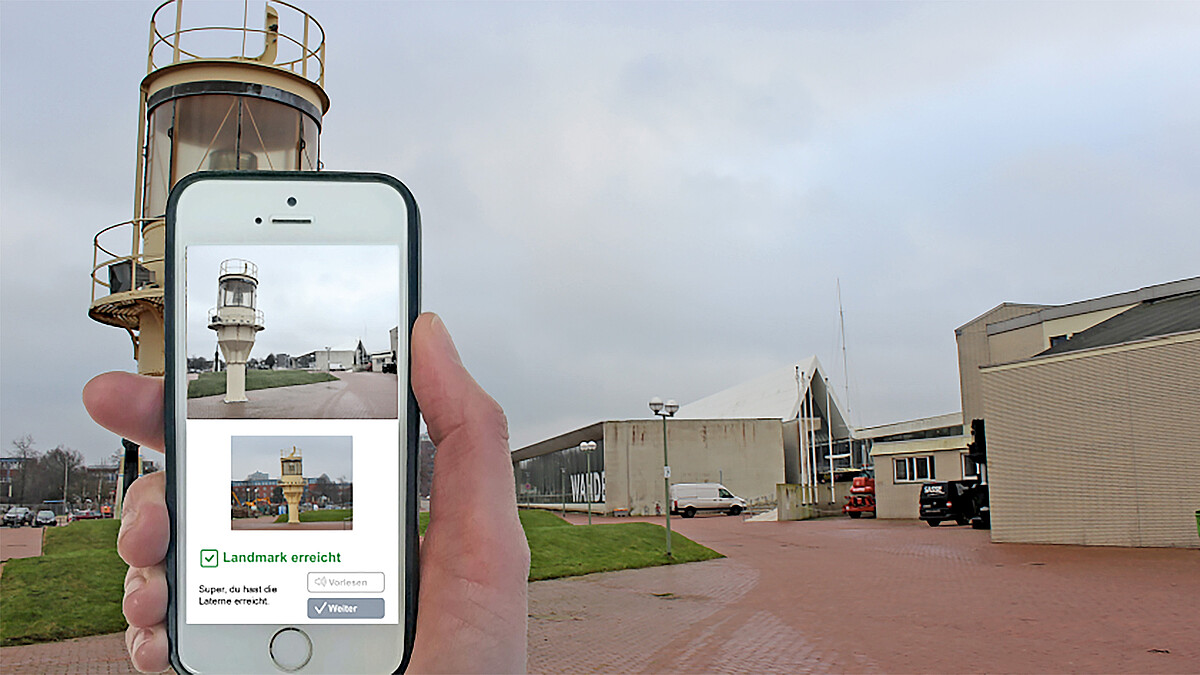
[291,427]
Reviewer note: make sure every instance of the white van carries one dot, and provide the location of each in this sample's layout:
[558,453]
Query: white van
[689,498]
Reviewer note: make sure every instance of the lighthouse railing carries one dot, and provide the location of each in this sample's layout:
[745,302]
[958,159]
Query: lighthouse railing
[303,41]
[104,258]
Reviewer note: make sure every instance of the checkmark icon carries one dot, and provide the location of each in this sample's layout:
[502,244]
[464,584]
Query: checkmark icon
[322,607]
[208,557]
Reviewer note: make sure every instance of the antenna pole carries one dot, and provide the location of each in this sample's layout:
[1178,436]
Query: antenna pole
[845,368]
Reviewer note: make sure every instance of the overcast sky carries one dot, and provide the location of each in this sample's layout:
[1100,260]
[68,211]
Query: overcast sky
[329,455]
[629,199]
[312,297]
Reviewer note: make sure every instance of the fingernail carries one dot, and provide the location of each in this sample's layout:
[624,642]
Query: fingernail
[444,335]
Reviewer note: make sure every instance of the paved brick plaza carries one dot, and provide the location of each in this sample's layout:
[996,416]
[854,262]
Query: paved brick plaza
[352,396]
[840,596]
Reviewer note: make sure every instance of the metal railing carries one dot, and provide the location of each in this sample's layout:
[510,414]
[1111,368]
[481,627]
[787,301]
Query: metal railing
[304,54]
[213,319]
[104,258]
[240,267]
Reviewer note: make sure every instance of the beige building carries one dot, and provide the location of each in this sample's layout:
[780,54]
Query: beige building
[1009,332]
[748,437]
[1092,415]
[625,472]
[907,454]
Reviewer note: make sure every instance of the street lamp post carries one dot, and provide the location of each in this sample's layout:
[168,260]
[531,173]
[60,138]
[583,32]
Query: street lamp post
[66,467]
[664,411]
[587,447]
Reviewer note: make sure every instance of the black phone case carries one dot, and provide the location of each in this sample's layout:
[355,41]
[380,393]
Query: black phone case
[409,507]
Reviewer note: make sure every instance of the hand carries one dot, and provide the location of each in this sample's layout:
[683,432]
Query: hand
[474,560]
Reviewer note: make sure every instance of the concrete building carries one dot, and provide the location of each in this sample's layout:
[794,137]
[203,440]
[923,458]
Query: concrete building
[10,467]
[907,454]
[770,430]
[381,359]
[1096,440]
[625,472]
[355,358]
[1010,332]
[1092,416]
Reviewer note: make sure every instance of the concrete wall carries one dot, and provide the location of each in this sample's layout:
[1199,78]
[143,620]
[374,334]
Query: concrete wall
[1098,447]
[1013,345]
[901,500]
[745,455]
[792,502]
[973,352]
[342,356]
[1023,343]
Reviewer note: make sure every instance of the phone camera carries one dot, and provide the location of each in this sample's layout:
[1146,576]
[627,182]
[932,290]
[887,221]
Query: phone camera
[291,201]
[258,221]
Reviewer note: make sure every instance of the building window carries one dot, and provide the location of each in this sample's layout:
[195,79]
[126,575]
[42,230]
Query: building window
[970,467]
[913,469]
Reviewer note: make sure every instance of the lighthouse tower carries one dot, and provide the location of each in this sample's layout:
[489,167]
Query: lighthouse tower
[291,478]
[237,321]
[214,97]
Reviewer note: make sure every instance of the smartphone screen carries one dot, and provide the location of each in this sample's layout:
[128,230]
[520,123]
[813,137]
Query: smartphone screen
[291,422]
[292,484]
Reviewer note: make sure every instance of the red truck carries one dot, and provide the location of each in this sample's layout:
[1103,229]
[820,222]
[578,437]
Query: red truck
[862,496]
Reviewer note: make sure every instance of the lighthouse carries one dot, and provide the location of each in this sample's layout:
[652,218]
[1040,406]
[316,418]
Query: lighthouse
[291,479]
[214,97]
[237,321]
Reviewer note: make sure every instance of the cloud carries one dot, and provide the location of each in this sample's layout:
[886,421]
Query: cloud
[623,200]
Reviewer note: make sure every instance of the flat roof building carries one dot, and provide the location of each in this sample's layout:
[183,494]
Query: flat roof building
[907,454]
[1092,413]
[751,437]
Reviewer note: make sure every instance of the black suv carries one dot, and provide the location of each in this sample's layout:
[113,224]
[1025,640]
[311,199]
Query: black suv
[956,500]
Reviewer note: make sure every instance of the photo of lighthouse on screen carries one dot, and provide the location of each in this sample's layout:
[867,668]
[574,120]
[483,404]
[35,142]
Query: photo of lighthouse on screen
[291,483]
[292,332]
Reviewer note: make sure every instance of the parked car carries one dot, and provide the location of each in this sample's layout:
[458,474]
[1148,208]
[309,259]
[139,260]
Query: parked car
[955,500]
[84,514]
[45,518]
[688,499]
[18,516]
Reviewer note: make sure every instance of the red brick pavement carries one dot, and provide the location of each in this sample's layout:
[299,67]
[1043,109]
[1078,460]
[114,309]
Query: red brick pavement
[838,595]
[353,396]
[83,656]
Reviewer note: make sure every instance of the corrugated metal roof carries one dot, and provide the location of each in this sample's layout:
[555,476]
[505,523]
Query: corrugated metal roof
[1176,314]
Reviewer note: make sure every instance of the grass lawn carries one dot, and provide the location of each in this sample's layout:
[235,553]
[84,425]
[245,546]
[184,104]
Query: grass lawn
[74,589]
[324,516]
[559,549]
[211,384]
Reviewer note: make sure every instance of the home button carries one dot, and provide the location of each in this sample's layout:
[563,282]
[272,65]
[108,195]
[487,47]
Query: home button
[290,649]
